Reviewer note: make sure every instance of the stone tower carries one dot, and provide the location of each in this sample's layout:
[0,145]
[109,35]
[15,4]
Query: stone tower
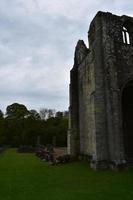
[101,93]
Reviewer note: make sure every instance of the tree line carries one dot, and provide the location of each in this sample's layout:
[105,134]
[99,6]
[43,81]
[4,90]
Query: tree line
[20,126]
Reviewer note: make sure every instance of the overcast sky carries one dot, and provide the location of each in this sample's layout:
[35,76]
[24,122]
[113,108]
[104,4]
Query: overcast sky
[37,41]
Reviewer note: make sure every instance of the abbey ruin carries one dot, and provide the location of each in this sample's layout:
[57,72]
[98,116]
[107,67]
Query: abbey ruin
[101,94]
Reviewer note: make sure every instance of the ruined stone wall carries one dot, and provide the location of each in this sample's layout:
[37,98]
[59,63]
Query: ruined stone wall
[97,80]
[118,64]
[86,85]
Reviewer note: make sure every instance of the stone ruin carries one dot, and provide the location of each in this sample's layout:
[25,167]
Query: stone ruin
[101,94]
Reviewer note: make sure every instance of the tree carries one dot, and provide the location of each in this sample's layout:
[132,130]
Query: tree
[51,113]
[43,113]
[14,124]
[2,134]
[46,113]
[34,115]
[17,111]
[59,114]
[1,114]
[28,127]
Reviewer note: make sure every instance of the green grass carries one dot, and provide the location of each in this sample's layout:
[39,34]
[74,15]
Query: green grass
[26,177]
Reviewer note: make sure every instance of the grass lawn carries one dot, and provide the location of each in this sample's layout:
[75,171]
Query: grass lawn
[26,177]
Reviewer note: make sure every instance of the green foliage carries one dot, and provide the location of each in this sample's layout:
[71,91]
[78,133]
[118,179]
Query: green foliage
[17,111]
[34,115]
[2,125]
[28,127]
[1,114]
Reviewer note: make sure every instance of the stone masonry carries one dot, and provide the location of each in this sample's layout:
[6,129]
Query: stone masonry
[101,94]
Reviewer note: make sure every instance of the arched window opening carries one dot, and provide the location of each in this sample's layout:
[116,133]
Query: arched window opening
[125,35]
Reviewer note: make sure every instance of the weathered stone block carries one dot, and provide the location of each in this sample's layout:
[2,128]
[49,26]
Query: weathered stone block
[101,93]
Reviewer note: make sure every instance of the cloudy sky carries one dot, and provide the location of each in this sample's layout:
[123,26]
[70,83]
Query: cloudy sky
[37,41]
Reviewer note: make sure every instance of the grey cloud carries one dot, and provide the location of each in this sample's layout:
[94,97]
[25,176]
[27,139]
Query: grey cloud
[37,45]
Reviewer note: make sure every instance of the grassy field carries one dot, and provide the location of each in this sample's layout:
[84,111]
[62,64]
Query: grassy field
[26,177]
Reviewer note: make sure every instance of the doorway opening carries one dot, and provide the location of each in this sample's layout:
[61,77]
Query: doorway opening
[127,112]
